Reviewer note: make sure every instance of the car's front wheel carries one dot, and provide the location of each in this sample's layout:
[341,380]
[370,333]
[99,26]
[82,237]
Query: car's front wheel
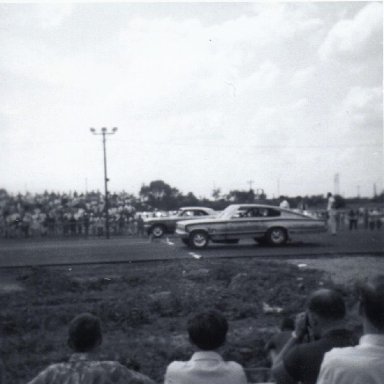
[157,231]
[276,236]
[198,239]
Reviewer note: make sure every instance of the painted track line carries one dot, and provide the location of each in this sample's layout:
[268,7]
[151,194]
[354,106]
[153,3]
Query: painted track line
[195,255]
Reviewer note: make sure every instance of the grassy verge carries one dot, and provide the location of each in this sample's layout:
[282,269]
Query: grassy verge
[143,309]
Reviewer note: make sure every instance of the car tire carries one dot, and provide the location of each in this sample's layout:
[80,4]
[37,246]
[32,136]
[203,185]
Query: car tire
[198,240]
[276,236]
[157,231]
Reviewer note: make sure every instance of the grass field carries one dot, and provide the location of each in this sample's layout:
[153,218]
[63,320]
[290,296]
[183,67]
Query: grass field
[144,308]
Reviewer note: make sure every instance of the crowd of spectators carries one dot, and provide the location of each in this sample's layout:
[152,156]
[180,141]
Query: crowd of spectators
[73,214]
[319,350]
[53,214]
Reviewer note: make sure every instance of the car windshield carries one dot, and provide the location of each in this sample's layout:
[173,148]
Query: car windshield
[228,212]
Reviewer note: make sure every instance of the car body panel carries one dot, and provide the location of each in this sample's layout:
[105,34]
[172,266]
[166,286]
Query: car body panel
[240,221]
[184,213]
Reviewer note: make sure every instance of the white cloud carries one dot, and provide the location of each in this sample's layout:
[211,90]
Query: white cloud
[302,76]
[364,107]
[264,77]
[355,38]
[53,15]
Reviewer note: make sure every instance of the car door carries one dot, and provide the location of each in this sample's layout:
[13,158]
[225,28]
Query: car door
[240,224]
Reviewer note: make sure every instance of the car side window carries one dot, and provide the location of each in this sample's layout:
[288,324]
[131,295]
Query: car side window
[240,213]
[273,213]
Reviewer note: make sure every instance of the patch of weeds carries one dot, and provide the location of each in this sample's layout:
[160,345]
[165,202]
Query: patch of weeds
[42,281]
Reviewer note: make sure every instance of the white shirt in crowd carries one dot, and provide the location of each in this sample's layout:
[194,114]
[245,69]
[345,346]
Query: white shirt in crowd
[205,367]
[362,364]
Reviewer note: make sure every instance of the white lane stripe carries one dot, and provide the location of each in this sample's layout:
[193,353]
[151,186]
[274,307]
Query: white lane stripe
[169,242]
[195,255]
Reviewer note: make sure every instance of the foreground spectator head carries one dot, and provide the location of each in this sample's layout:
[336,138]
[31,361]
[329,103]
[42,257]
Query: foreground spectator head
[208,330]
[372,302]
[84,333]
[326,307]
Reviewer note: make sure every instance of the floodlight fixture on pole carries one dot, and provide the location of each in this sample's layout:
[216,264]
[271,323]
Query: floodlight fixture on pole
[104,132]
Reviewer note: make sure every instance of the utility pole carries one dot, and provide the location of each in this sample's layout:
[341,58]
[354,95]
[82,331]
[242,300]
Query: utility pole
[103,132]
[250,182]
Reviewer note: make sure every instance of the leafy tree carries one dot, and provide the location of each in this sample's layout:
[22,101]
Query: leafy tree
[339,202]
[160,195]
[216,193]
[241,197]
[189,200]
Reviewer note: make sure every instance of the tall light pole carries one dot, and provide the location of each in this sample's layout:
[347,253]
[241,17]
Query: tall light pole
[104,132]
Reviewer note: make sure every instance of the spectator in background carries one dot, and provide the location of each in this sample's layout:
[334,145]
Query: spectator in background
[331,212]
[284,204]
[317,331]
[140,226]
[207,332]
[362,364]
[366,218]
[84,337]
[302,205]
[352,217]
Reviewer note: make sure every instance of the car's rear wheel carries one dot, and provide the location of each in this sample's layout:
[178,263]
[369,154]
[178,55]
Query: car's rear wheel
[157,231]
[276,236]
[198,239]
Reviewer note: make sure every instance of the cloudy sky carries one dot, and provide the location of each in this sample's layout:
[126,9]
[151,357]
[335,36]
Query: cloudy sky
[204,95]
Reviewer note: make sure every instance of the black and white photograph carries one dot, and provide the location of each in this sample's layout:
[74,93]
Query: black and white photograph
[191,192]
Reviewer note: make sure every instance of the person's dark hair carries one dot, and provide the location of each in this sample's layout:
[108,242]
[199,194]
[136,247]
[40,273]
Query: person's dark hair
[84,332]
[327,304]
[372,300]
[208,330]
[287,324]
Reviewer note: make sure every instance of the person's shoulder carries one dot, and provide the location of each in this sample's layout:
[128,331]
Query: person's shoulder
[339,355]
[233,365]
[176,365]
[236,368]
[49,373]
[55,367]
[342,351]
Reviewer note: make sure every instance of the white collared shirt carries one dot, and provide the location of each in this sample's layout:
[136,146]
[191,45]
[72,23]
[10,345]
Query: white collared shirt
[205,367]
[362,364]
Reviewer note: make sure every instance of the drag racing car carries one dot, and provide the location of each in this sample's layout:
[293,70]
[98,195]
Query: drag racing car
[264,223]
